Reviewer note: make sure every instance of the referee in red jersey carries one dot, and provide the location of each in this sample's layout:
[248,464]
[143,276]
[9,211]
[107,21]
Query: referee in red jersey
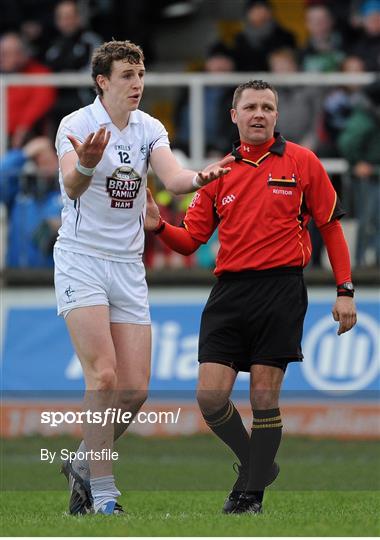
[253,319]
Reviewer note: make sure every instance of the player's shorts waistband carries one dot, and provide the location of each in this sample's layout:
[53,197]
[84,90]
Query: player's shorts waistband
[252,274]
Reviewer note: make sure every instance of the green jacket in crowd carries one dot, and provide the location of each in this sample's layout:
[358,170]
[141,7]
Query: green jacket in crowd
[360,139]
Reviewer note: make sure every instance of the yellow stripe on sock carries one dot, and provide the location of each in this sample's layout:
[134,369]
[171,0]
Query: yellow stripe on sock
[223,419]
[264,426]
[275,418]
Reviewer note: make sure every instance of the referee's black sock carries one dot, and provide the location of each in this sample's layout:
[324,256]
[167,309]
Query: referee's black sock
[228,426]
[263,446]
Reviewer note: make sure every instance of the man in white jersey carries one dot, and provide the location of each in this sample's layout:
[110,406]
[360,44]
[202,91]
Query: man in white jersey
[104,151]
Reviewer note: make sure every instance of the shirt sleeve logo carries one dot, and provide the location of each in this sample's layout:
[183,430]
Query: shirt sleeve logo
[195,199]
[144,151]
[123,187]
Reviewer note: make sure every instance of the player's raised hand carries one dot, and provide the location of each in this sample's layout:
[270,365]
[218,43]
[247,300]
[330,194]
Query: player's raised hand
[214,171]
[90,152]
[344,311]
[152,217]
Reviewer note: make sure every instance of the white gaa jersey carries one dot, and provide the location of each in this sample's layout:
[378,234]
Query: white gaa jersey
[107,221]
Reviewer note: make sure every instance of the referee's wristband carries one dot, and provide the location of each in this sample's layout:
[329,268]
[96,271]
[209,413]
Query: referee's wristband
[86,171]
[160,226]
[345,293]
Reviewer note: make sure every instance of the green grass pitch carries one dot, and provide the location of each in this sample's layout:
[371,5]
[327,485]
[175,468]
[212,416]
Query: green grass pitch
[176,487]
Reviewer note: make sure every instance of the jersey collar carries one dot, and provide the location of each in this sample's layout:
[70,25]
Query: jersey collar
[278,147]
[102,116]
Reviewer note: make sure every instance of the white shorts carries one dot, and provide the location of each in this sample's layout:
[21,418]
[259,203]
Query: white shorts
[83,280]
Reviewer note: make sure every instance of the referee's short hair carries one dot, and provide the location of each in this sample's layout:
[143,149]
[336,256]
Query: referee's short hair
[254,85]
[104,55]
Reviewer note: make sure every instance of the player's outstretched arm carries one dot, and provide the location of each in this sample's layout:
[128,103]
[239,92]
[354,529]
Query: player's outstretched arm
[179,180]
[214,170]
[79,166]
[177,238]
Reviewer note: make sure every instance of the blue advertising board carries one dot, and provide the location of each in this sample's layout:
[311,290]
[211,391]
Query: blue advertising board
[38,356]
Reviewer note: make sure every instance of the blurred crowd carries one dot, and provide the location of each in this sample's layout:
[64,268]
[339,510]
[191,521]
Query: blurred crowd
[342,121]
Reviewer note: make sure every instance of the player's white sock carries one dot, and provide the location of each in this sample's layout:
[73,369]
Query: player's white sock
[103,490]
[81,466]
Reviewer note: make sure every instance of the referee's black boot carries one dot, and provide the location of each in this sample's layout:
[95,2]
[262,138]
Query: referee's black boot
[240,485]
[248,504]
[237,489]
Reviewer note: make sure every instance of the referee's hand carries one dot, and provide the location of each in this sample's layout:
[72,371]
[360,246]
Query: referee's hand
[344,311]
[90,152]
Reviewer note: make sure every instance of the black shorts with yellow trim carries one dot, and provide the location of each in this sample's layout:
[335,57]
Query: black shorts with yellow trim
[254,317]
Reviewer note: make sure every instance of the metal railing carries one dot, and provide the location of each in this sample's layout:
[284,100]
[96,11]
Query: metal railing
[195,82]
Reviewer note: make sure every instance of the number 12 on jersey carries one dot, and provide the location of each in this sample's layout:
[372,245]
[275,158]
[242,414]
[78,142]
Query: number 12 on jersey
[124,157]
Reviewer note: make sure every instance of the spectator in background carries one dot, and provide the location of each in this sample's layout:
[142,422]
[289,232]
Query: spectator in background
[27,106]
[346,18]
[300,106]
[324,49]
[71,51]
[30,191]
[38,34]
[336,110]
[73,46]
[261,36]
[219,134]
[337,107]
[359,143]
[137,20]
[367,47]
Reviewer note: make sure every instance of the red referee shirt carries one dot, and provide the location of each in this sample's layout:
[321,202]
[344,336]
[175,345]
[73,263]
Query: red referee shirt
[262,207]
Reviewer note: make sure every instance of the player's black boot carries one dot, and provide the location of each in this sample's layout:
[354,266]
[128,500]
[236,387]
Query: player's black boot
[240,485]
[248,504]
[80,499]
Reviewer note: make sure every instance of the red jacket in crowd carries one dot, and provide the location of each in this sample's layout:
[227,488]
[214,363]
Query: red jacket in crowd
[28,104]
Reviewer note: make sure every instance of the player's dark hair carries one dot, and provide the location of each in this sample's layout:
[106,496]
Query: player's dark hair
[254,85]
[104,55]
